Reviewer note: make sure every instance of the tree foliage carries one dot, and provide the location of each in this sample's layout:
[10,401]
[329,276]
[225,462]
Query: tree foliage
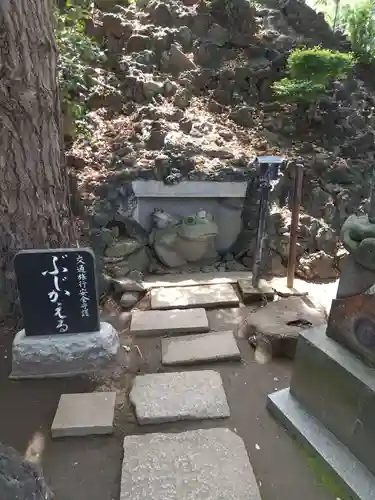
[359,24]
[77,54]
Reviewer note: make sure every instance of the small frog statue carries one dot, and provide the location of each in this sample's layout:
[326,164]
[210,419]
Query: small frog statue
[191,239]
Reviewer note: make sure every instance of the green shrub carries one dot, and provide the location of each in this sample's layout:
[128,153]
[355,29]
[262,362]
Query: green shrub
[318,65]
[77,53]
[309,73]
[298,90]
[359,25]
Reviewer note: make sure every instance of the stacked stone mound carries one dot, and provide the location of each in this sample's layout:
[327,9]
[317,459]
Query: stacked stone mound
[188,96]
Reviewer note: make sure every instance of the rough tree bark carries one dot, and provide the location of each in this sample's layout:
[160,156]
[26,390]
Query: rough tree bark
[34,201]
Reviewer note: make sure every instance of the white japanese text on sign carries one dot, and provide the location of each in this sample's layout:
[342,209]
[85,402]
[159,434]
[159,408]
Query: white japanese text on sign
[82,284]
[54,296]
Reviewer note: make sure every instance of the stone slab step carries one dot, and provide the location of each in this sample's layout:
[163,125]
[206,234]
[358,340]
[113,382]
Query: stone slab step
[191,349]
[169,397]
[84,414]
[172,321]
[194,296]
[193,279]
[319,293]
[199,464]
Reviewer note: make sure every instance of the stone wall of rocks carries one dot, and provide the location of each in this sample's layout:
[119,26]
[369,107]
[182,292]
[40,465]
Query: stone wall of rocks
[188,98]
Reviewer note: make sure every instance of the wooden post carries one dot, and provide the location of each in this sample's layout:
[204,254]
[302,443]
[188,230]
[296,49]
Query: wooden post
[292,257]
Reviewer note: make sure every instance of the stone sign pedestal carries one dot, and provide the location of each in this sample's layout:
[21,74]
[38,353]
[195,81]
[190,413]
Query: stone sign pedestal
[64,355]
[330,406]
[62,335]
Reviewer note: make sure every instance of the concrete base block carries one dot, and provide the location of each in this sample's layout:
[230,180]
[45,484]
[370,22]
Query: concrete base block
[358,481]
[53,356]
[338,389]
[263,291]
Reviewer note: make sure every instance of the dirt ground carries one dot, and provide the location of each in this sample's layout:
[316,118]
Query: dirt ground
[89,468]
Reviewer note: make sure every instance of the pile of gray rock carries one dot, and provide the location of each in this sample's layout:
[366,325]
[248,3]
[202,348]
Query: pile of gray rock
[128,290]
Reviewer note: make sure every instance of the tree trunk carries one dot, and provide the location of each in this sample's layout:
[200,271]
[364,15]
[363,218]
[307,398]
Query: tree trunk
[34,202]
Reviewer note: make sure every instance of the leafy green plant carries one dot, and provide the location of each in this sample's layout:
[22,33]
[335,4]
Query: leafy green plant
[318,65]
[77,52]
[298,90]
[359,25]
[309,73]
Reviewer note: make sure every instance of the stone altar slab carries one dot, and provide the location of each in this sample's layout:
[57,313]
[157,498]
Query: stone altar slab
[64,355]
[194,296]
[199,464]
[169,397]
[84,414]
[192,279]
[191,349]
[172,321]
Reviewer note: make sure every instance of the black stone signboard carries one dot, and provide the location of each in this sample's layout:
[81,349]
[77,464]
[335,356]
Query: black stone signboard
[57,290]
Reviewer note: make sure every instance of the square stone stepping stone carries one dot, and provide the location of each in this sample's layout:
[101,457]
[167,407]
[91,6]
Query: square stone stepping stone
[173,321]
[202,464]
[168,397]
[251,294]
[84,414]
[194,296]
[190,349]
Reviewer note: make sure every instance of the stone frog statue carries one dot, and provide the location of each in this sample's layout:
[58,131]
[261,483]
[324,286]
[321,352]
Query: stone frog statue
[179,242]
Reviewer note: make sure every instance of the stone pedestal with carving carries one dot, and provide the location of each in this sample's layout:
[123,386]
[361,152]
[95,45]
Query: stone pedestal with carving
[64,355]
